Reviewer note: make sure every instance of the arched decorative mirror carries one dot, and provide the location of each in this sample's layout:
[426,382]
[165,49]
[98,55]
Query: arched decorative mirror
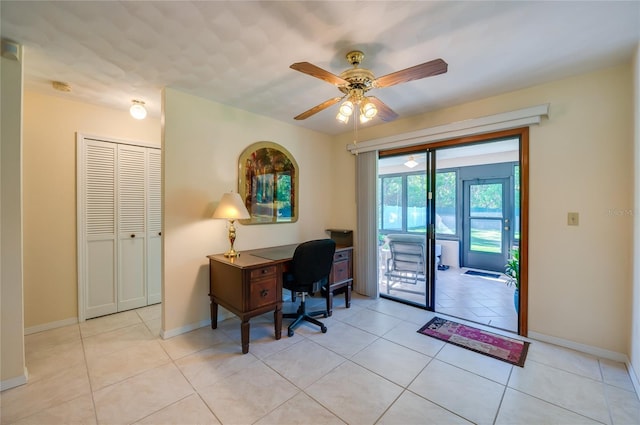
[268,184]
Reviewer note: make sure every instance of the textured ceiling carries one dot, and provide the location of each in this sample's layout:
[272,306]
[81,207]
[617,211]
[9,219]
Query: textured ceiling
[238,53]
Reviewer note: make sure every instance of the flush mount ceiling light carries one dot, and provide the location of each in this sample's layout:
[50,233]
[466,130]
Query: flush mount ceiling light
[411,162]
[137,110]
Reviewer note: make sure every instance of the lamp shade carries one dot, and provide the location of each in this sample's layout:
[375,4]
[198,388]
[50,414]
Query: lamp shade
[231,207]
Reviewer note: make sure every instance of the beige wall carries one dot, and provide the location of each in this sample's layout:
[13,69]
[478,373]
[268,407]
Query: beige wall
[202,143]
[50,126]
[635,321]
[581,160]
[12,363]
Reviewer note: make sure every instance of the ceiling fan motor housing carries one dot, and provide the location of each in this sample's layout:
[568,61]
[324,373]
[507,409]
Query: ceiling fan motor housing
[358,78]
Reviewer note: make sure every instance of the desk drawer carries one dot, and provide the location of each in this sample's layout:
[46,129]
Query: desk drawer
[340,271]
[263,292]
[263,272]
[341,256]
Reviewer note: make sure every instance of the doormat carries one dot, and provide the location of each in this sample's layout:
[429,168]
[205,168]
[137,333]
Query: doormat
[483,274]
[493,345]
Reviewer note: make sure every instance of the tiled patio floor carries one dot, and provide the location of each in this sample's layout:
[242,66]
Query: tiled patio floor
[483,300]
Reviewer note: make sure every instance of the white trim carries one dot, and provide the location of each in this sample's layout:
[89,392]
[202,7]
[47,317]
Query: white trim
[634,380]
[51,325]
[184,329]
[594,351]
[588,349]
[85,136]
[15,382]
[222,315]
[487,124]
[80,219]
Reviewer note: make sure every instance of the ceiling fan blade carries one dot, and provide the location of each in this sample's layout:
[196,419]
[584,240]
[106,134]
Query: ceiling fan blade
[314,71]
[384,112]
[428,69]
[317,108]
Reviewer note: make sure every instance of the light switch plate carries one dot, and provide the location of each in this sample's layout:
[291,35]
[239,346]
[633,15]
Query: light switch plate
[572,218]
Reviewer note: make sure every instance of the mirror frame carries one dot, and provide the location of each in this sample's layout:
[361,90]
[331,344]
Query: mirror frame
[260,167]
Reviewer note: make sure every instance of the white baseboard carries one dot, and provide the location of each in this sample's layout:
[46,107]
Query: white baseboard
[634,379]
[594,351]
[222,315]
[183,329]
[588,349]
[15,382]
[51,325]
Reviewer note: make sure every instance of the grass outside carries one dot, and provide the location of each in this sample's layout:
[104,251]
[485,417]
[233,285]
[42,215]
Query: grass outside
[486,241]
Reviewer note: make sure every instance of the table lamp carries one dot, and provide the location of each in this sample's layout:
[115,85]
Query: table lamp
[231,208]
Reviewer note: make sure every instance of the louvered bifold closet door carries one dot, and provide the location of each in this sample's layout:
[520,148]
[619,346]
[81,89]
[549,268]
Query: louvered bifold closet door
[132,286]
[100,296]
[154,226]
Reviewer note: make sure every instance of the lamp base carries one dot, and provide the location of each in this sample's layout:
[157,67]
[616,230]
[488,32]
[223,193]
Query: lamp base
[232,253]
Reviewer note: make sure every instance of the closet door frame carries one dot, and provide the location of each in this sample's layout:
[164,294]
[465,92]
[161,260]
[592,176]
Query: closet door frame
[81,218]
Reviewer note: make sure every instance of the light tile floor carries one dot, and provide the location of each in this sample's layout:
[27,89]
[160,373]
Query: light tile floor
[371,367]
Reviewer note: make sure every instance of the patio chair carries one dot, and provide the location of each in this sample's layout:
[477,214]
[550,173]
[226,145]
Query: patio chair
[406,263]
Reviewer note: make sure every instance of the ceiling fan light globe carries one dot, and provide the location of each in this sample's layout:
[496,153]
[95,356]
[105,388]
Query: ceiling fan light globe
[346,108]
[364,119]
[342,118]
[369,110]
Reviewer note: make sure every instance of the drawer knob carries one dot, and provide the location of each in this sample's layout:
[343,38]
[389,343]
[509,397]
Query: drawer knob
[264,293]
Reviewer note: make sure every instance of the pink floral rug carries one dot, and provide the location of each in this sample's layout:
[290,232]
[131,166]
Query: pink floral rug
[497,346]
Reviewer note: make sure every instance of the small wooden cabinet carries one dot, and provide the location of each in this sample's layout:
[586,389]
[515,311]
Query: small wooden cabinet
[341,277]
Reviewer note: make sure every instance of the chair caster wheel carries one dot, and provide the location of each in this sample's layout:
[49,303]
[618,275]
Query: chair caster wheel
[290,333]
[324,329]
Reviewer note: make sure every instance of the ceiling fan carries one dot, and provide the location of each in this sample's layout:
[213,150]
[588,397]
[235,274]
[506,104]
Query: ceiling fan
[356,82]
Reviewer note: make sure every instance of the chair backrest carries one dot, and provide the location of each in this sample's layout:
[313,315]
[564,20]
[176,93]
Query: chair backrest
[312,261]
[407,252]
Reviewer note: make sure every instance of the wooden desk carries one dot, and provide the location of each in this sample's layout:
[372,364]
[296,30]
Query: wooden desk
[251,284]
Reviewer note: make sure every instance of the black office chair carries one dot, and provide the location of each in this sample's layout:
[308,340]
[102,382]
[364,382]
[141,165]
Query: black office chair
[310,268]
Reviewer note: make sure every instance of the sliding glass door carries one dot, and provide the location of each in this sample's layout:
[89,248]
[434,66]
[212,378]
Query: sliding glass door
[467,195]
[405,231]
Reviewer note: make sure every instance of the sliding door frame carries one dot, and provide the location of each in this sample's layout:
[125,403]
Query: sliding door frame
[523,134]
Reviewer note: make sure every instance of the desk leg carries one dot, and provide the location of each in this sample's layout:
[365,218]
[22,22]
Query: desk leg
[245,330]
[277,320]
[214,315]
[329,301]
